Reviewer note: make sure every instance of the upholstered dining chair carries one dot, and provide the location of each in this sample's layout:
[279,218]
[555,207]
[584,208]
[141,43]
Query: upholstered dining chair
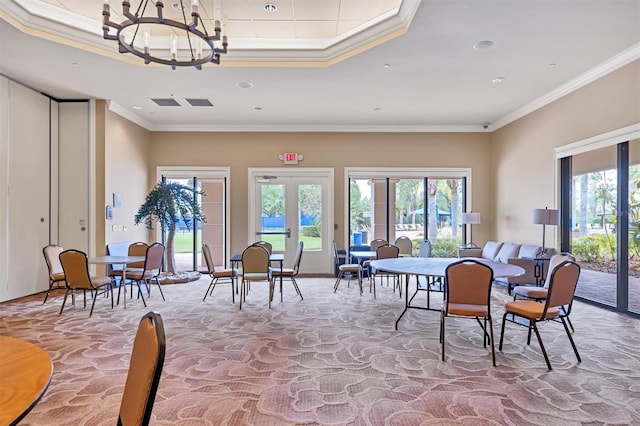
[540,293]
[557,305]
[405,245]
[385,251]
[145,369]
[77,277]
[51,254]
[468,294]
[229,275]
[154,256]
[266,244]
[373,246]
[346,269]
[255,267]
[291,273]
[135,249]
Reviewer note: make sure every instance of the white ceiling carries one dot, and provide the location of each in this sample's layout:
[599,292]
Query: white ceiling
[320,65]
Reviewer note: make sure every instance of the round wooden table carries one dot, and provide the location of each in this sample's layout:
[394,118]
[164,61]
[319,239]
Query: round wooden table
[25,373]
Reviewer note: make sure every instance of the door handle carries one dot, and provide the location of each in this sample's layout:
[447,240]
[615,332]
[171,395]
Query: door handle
[287,233]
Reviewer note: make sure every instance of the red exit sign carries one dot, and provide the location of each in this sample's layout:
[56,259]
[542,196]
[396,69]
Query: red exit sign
[290,158]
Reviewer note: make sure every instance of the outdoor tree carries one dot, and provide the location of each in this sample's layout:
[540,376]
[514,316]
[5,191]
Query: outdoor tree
[168,203]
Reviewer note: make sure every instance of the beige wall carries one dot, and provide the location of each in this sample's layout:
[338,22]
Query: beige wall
[126,172]
[513,168]
[523,151]
[241,151]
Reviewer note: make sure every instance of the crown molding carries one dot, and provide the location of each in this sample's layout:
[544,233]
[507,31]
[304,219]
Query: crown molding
[623,58]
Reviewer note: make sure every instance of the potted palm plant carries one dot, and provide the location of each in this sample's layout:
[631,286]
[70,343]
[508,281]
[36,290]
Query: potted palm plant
[169,203]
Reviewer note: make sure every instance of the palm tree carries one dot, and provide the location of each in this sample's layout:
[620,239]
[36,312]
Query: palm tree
[168,203]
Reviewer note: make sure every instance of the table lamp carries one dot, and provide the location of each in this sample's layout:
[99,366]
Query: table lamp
[471,218]
[545,217]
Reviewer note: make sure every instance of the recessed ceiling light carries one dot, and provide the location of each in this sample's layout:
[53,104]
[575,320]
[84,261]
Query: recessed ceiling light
[137,107]
[257,108]
[377,109]
[176,5]
[270,7]
[551,65]
[386,66]
[75,64]
[482,45]
[244,85]
[497,80]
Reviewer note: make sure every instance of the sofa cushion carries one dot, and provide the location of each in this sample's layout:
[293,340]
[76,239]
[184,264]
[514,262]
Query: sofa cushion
[529,251]
[506,251]
[491,249]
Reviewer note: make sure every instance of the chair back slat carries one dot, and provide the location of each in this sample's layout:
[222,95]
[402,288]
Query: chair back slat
[425,249]
[206,251]
[387,251]
[298,258]
[145,368]
[377,243]
[52,258]
[255,259]
[137,249]
[562,285]
[405,245]
[468,282]
[76,269]
[153,258]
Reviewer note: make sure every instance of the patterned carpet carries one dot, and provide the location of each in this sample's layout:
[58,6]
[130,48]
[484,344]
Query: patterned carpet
[331,359]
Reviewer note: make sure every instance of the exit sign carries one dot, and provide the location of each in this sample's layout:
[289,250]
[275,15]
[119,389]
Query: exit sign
[290,158]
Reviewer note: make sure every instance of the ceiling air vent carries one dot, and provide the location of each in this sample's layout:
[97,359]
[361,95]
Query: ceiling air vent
[166,102]
[200,102]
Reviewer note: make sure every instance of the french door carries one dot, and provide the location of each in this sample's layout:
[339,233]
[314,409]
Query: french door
[292,205]
[211,185]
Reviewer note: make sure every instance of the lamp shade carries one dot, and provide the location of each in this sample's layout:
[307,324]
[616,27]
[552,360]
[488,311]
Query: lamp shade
[546,216]
[471,218]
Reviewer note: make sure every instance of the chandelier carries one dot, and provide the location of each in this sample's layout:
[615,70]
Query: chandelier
[176,43]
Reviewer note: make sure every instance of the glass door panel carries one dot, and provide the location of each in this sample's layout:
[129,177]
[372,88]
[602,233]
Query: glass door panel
[408,218]
[274,218]
[594,216]
[444,201]
[634,226]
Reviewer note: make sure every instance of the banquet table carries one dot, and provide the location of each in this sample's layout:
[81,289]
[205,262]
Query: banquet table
[118,260]
[25,373]
[434,267]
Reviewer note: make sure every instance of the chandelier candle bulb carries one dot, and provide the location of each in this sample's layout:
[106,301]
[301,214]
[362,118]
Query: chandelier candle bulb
[174,47]
[194,7]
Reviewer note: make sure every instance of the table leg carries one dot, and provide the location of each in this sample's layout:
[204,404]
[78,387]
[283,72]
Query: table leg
[406,300]
[281,267]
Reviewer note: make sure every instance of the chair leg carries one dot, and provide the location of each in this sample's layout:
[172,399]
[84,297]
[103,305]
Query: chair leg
[241,293]
[295,285]
[66,293]
[271,290]
[504,321]
[573,345]
[233,293]
[335,286]
[442,317]
[140,293]
[493,349]
[532,324]
[159,288]
[93,303]
[209,289]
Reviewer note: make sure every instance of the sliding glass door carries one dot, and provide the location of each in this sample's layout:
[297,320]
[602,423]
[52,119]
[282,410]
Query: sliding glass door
[600,187]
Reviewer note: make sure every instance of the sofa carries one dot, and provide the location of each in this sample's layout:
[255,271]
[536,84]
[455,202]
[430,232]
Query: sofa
[527,256]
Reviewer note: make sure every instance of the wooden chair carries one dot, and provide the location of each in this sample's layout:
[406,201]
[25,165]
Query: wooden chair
[135,249]
[145,368]
[468,294]
[540,293]
[557,305]
[51,254]
[291,273]
[152,266]
[77,277]
[255,267]
[348,269]
[385,251]
[405,245]
[226,275]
